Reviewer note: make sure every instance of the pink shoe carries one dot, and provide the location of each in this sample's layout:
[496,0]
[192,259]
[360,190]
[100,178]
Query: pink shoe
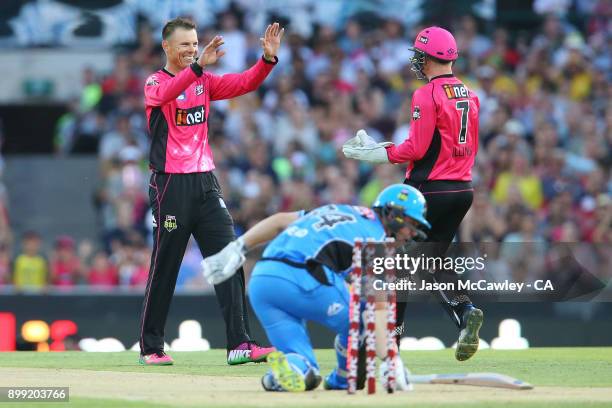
[248,352]
[156,359]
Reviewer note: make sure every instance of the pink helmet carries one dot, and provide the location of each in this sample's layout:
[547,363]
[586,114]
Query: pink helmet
[438,43]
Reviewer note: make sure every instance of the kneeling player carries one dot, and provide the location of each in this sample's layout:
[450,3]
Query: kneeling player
[301,277]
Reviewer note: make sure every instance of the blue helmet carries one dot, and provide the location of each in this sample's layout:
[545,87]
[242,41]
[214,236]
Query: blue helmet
[398,201]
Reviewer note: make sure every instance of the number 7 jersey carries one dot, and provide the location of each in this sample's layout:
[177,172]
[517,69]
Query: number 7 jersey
[443,139]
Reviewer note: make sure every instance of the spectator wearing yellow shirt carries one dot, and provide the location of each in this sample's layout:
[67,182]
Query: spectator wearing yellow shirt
[576,71]
[519,182]
[30,270]
[383,176]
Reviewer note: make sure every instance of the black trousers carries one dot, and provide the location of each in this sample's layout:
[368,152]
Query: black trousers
[447,204]
[182,205]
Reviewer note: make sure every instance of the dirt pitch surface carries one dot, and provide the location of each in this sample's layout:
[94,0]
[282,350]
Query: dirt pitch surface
[201,390]
[213,384]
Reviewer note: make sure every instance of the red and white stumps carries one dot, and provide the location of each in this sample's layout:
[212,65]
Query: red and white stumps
[352,354]
[363,266]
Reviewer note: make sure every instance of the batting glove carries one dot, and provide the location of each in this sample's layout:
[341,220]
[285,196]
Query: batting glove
[222,266]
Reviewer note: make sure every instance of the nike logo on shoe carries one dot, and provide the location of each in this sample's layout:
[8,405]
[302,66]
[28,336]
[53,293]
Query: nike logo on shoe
[239,354]
[248,352]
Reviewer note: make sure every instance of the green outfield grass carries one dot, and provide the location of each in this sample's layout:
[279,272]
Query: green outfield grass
[560,377]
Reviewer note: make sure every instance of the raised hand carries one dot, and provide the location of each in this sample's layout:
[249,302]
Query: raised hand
[271,40]
[212,53]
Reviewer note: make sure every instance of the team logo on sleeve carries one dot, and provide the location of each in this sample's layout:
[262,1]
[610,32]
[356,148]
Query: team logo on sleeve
[199,90]
[152,80]
[455,91]
[170,223]
[416,113]
[334,309]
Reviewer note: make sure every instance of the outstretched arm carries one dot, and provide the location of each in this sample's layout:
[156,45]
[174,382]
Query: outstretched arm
[268,228]
[221,266]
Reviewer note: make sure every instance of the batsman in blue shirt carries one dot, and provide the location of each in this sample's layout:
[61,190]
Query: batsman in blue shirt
[301,277]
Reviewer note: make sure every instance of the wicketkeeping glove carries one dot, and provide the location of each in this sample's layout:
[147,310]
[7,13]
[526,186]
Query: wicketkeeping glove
[363,147]
[222,266]
[361,139]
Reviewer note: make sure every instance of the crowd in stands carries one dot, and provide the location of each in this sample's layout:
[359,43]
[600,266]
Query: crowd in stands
[542,171]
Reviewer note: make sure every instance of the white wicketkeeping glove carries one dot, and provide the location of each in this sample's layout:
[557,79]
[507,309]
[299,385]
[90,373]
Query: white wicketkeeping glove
[363,147]
[402,375]
[222,265]
[361,139]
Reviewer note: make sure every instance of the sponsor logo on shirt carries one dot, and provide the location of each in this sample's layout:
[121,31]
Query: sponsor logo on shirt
[181,97]
[416,113]
[199,89]
[455,91]
[191,116]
